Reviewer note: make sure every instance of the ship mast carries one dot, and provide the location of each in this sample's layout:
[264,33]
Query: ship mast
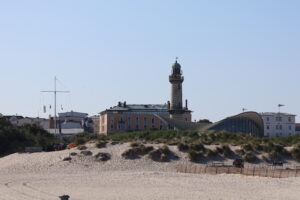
[55,91]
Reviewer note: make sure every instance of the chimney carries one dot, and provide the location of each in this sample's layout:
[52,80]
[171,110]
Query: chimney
[124,104]
[169,106]
[119,104]
[186,104]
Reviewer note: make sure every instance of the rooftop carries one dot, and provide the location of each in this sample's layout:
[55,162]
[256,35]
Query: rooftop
[138,107]
[275,113]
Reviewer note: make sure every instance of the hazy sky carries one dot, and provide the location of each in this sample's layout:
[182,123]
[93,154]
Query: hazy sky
[234,54]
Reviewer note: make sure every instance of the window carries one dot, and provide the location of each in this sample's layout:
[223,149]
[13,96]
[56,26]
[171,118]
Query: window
[290,119]
[129,121]
[268,119]
[268,127]
[279,119]
[152,120]
[290,128]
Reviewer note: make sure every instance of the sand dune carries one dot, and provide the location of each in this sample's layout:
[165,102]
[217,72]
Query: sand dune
[45,176]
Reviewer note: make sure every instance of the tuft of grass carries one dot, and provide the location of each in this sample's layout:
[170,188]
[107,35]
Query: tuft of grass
[182,147]
[240,152]
[295,152]
[227,150]
[86,153]
[250,157]
[162,154]
[73,154]
[102,156]
[247,147]
[195,156]
[81,147]
[197,147]
[101,144]
[211,153]
[137,151]
[67,159]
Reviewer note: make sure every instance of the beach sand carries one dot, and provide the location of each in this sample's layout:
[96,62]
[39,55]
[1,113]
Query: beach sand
[44,176]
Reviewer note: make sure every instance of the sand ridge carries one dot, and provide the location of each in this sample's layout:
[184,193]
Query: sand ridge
[46,176]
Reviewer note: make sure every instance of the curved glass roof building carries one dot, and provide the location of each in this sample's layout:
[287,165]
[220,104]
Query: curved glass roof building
[250,123]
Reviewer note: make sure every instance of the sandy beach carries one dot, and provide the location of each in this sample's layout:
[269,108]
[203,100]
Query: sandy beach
[46,176]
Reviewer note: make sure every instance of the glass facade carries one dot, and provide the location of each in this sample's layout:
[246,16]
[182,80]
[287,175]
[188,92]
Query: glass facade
[239,125]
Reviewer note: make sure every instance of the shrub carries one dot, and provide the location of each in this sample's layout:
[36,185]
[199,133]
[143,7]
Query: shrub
[102,156]
[295,152]
[135,144]
[114,143]
[258,147]
[211,153]
[240,152]
[274,155]
[73,154]
[136,152]
[101,144]
[197,147]
[194,156]
[266,158]
[86,153]
[247,147]
[182,147]
[219,150]
[161,154]
[82,147]
[226,150]
[67,159]
[173,143]
[250,157]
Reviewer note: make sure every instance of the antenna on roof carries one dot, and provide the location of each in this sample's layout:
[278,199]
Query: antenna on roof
[279,106]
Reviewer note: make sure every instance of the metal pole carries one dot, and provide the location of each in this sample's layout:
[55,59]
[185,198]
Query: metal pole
[55,105]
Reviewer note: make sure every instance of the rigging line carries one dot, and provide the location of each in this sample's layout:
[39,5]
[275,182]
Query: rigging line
[62,84]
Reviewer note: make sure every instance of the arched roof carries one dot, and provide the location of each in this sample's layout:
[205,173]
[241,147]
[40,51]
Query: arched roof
[253,116]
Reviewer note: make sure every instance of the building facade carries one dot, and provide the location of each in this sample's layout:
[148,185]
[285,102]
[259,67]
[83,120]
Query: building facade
[136,117]
[278,124]
[132,117]
[297,129]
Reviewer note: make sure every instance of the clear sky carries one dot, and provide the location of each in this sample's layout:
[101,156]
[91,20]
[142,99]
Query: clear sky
[234,54]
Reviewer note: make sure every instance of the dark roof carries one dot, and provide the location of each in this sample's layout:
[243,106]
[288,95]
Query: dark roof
[138,107]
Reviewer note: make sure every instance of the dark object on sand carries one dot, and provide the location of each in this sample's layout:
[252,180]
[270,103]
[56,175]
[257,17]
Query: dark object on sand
[239,163]
[64,197]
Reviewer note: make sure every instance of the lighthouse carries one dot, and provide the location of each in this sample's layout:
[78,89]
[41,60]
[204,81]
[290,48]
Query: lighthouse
[176,79]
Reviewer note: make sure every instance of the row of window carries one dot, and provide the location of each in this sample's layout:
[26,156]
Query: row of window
[279,119]
[137,127]
[278,134]
[121,120]
[279,127]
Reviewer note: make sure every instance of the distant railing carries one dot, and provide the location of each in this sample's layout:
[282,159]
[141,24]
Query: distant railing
[267,171]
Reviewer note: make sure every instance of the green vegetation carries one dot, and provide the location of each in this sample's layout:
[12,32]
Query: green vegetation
[136,151]
[15,139]
[162,154]
[204,137]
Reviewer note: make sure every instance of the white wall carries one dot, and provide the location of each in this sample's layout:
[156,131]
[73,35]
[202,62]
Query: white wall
[278,124]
